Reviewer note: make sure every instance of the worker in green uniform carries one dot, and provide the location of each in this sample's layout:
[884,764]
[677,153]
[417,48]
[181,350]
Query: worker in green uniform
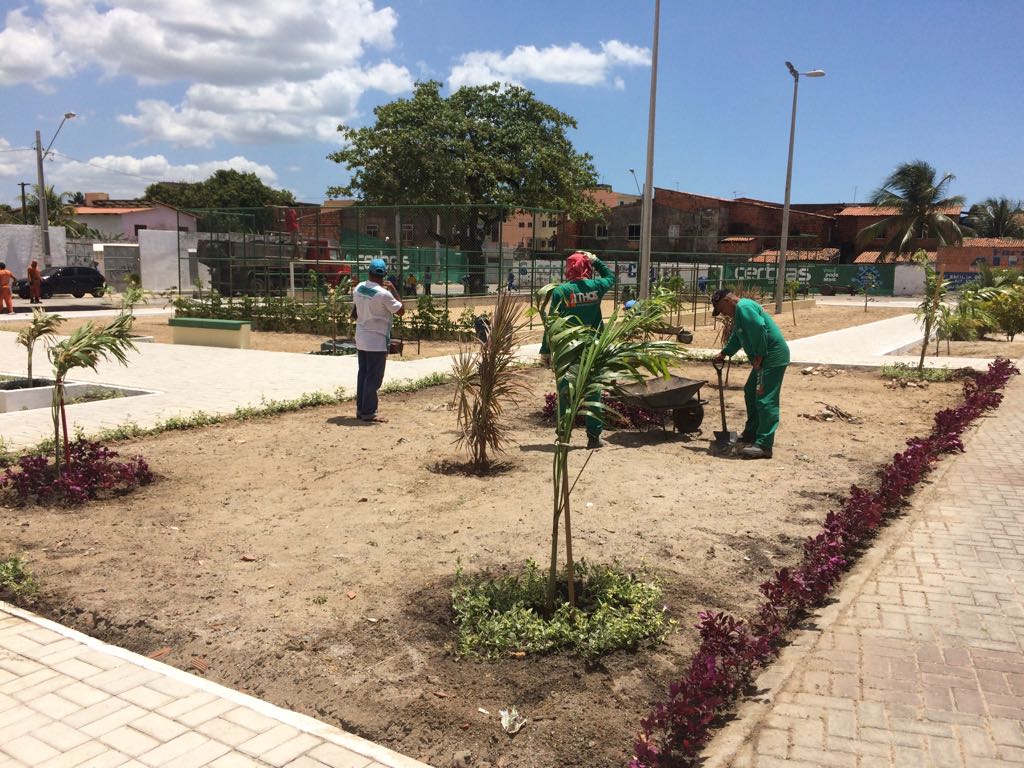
[754,330]
[587,280]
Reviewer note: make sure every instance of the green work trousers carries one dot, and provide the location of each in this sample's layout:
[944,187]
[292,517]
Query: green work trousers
[763,410]
[594,425]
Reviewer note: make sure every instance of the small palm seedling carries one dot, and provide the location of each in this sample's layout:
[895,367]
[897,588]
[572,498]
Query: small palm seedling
[84,349]
[42,326]
[487,382]
[588,363]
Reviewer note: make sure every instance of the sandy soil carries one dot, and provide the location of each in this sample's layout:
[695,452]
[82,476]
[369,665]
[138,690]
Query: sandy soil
[809,322]
[996,345]
[308,557]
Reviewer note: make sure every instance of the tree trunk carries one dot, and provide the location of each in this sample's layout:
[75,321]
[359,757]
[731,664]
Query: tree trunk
[924,345]
[570,566]
[64,426]
[30,366]
[559,468]
[55,411]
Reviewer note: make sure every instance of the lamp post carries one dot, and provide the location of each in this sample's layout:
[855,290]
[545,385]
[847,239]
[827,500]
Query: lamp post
[635,181]
[780,278]
[644,278]
[44,224]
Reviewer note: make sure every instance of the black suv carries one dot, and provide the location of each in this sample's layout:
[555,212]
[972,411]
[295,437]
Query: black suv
[77,281]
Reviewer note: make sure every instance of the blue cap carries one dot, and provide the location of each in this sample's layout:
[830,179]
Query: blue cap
[630,304]
[378,267]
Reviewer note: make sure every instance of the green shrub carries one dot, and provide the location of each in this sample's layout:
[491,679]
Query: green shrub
[1007,310]
[499,616]
[15,579]
[905,371]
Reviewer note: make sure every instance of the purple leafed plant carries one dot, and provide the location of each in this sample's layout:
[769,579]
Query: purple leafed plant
[619,415]
[92,470]
[731,651]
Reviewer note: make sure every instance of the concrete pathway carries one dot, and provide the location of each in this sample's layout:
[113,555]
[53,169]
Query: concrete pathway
[872,345]
[185,379]
[920,662]
[70,700]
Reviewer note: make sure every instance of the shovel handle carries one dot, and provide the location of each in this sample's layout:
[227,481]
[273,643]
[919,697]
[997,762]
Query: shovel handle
[721,397]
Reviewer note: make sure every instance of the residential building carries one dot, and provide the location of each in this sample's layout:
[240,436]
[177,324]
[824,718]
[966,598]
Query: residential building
[124,219]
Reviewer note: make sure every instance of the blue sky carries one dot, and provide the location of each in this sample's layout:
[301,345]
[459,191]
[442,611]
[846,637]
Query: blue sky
[173,91]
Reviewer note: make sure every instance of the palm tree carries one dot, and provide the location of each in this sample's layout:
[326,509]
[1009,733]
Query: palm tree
[487,381]
[589,363]
[60,211]
[997,217]
[919,201]
[84,349]
[42,326]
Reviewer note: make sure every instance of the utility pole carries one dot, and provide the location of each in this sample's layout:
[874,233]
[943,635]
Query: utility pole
[646,214]
[24,212]
[41,194]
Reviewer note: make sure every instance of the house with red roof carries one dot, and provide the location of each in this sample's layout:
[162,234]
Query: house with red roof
[124,219]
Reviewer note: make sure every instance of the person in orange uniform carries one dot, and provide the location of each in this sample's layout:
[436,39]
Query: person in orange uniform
[35,283]
[6,285]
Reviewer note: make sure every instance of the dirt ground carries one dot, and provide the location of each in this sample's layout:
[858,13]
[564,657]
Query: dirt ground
[809,322]
[996,345]
[308,557]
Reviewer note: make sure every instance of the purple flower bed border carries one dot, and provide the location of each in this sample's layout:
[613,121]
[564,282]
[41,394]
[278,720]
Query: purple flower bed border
[732,650]
[92,470]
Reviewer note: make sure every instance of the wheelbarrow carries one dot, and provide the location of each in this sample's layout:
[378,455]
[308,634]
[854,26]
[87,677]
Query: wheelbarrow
[683,336]
[674,396]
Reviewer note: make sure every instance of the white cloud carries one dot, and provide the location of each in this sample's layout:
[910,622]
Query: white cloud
[259,70]
[573,64]
[29,51]
[276,111]
[121,176]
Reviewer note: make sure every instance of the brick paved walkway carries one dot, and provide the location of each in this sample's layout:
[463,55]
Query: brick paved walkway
[920,662]
[69,700]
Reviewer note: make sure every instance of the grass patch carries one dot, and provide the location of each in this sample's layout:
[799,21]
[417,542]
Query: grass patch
[16,581]
[907,372]
[496,617]
[415,385]
[96,395]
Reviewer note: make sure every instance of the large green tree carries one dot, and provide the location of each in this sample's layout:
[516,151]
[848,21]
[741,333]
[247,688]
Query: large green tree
[919,200]
[491,148]
[224,189]
[997,217]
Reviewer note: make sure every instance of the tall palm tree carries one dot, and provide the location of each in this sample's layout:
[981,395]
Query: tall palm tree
[919,201]
[997,217]
[60,211]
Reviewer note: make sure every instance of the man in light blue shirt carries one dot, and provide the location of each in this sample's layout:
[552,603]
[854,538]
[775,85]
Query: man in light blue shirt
[375,304]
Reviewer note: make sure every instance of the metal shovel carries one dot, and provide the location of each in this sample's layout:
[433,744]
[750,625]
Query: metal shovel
[725,441]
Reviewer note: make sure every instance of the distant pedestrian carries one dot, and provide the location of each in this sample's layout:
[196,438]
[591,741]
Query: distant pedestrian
[35,283]
[511,280]
[375,303]
[6,285]
[410,285]
[427,280]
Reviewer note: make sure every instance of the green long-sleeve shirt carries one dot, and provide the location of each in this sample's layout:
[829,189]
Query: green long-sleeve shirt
[582,298]
[754,330]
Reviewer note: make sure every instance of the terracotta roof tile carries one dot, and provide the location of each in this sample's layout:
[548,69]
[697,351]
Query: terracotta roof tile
[871,257]
[819,254]
[990,242]
[877,210]
[107,210]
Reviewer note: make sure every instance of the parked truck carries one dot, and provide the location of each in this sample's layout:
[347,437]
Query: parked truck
[267,263]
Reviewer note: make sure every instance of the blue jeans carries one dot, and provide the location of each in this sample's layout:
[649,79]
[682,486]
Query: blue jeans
[368,381]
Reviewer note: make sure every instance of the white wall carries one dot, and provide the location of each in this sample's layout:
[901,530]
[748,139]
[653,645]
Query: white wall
[908,280]
[20,243]
[163,256]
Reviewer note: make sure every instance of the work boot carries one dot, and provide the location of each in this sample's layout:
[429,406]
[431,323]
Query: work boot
[594,442]
[756,452]
[745,439]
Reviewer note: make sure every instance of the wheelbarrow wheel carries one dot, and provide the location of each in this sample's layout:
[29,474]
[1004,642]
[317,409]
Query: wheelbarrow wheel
[688,418]
[684,337]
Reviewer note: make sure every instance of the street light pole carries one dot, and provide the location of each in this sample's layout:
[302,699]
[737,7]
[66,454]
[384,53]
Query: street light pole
[780,277]
[644,278]
[44,224]
[635,181]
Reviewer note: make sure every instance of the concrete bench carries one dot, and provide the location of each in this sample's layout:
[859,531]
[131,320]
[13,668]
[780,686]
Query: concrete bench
[205,332]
